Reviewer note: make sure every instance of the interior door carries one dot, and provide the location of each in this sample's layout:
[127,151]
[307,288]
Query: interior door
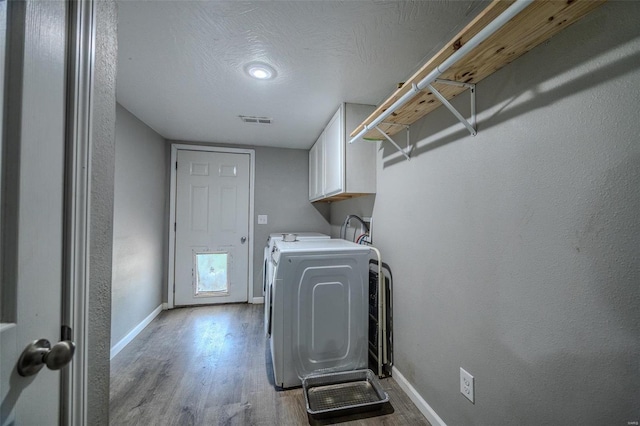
[32,197]
[212,227]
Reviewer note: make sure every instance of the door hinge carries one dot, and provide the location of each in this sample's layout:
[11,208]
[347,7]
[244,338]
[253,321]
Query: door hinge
[66,333]
[175,226]
[176,165]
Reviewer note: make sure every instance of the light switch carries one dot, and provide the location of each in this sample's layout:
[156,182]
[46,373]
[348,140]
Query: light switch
[262,219]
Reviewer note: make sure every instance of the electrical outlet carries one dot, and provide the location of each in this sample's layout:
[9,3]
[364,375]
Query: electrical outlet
[466,385]
[262,219]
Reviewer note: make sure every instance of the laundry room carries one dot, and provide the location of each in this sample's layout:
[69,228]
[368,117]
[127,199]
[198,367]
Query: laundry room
[435,200]
[512,249]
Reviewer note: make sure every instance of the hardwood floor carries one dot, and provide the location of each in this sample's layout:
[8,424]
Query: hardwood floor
[210,366]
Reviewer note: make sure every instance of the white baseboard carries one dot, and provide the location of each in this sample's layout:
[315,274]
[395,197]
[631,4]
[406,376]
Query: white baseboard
[165,306]
[257,300]
[133,333]
[413,394]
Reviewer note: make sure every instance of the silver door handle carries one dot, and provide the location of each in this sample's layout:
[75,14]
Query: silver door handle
[243,240]
[40,353]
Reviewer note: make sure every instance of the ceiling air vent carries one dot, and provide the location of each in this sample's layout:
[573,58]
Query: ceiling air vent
[255,120]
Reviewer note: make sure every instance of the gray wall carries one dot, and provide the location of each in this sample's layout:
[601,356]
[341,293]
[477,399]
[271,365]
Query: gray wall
[281,193]
[101,212]
[360,206]
[139,224]
[515,252]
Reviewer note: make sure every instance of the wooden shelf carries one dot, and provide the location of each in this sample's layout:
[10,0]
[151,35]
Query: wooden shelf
[538,22]
[340,197]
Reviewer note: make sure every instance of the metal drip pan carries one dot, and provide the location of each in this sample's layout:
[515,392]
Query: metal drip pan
[343,393]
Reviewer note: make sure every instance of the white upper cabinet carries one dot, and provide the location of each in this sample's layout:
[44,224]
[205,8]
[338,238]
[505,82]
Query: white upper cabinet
[339,170]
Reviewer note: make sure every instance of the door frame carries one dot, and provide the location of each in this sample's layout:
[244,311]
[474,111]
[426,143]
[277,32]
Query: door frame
[175,147]
[80,29]
[81,33]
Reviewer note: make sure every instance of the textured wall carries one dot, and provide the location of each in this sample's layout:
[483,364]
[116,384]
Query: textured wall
[282,193]
[515,252]
[139,224]
[360,206]
[101,220]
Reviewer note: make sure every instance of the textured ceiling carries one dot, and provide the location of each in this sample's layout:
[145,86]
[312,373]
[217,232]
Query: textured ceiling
[180,63]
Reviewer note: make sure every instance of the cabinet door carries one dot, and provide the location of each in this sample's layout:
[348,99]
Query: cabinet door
[316,172]
[313,172]
[320,165]
[334,154]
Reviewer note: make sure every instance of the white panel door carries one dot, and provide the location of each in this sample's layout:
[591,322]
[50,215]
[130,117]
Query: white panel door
[31,291]
[212,227]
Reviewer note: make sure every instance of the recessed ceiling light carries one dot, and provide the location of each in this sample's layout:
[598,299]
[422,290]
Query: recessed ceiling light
[260,71]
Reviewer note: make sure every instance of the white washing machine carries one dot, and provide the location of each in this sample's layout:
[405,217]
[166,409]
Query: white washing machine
[318,321]
[267,271]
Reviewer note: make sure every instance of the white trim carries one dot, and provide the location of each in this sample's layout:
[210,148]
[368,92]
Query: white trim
[413,394]
[257,300]
[172,212]
[133,333]
[165,306]
[79,130]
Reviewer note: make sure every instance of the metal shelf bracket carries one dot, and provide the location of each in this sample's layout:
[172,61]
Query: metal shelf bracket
[404,151]
[471,126]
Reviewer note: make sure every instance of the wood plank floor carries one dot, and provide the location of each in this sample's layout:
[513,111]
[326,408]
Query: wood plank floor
[210,366]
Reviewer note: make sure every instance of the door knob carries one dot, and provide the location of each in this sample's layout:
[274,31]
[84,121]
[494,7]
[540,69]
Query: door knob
[40,353]
[243,240]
